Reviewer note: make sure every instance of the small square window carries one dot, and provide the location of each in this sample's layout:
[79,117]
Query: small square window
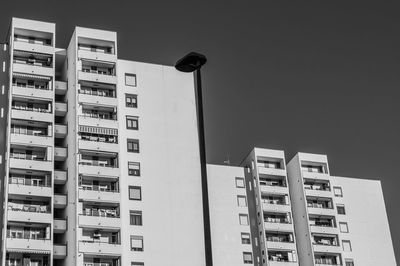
[243,219]
[343,227]
[340,209]
[131,100]
[246,238]
[136,218]
[135,193]
[349,262]
[130,80]
[137,243]
[133,169]
[247,258]
[241,200]
[239,182]
[133,145]
[132,122]
[346,245]
[338,191]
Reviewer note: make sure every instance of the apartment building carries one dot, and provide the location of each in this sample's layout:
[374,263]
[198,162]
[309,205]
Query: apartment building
[96,171]
[297,214]
[101,167]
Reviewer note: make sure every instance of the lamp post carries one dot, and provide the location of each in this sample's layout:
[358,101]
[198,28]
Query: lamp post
[192,62]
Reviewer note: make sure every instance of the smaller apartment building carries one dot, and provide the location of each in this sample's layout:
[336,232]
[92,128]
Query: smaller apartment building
[297,214]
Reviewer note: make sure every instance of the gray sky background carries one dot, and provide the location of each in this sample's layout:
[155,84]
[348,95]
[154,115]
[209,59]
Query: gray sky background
[321,76]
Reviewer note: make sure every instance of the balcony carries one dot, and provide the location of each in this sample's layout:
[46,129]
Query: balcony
[86,120]
[281,258]
[96,54]
[60,153]
[60,201]
[60,177]
[25,113]
[15,214]
[271,171]
[59,226]
[98,145]
[61,109]
[29,163]
[282,263]
[277,226]
[96,76]
[100,248]
[97,169]
[29,137]
[323,229]
[32,91]
[99,221]
[285,245]
[29,190]
[315,175]
[278,190]
[105,196]
[318,193]
[43,246]
[60,131]
[281,208]
[326,259]
[59,251]
[33,45]
[25,67]
[327,248]
[60,87]
[96,98]
[313,210]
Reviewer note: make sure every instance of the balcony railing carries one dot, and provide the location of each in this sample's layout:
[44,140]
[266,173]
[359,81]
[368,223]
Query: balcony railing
[101,213]
[28,182]
[100,72]
[39,63]
[32,109]
[104,50]
[325,242]
[326,261]
[30,157]
[274,202]
[98,163]
[29,132]
[277,220]
[320,224]
[101,116]
[284,239]
[29,208]
[319,205]
[104,139]
[273,183]
[98,188]
[277,258]
[100,264]
[95,241]
[36,87]
[101,93]
[44,42]
[26,235]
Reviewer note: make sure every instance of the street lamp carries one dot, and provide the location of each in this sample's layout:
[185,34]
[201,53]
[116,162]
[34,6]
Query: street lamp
[192,62]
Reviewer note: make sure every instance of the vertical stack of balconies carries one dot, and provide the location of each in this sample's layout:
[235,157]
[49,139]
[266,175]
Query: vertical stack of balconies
[29,194]
[99,223]
[315,193]
[274,214]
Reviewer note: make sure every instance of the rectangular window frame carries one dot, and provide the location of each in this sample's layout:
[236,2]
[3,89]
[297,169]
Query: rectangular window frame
[241,216]
[131,103]
[130,75]
[138,248]
[349,245]
[239,201]
[247,258]
[131,121]
[140,193]
[340,192]
[239,181]
[135,218]
[345,225]
[134,171]
[246,238]
[131,145]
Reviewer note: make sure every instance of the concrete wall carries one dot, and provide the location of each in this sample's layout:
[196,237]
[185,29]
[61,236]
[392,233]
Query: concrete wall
[368,225]
[170,167]
[226,231]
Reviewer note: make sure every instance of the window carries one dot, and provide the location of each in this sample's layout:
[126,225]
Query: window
[346,245]
[247,258]
[130,80]
[133,168]
[240,182]
[137,243]
[135,193]
[132,122]
[340,209]
[131,100]
[338,191]
[343,227]
[241,200]
[243,219]
[349,262]
[136,217]
[133,145]
[245,238]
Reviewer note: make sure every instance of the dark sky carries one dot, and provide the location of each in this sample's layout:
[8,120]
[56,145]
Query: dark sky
[321,76]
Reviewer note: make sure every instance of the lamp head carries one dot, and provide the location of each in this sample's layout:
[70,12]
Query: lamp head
[190,62]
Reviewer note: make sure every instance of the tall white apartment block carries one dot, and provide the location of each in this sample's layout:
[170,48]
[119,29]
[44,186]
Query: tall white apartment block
[297,214]
[102,161]
[101,167]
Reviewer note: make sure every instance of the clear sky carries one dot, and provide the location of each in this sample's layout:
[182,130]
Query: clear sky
[321,76]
